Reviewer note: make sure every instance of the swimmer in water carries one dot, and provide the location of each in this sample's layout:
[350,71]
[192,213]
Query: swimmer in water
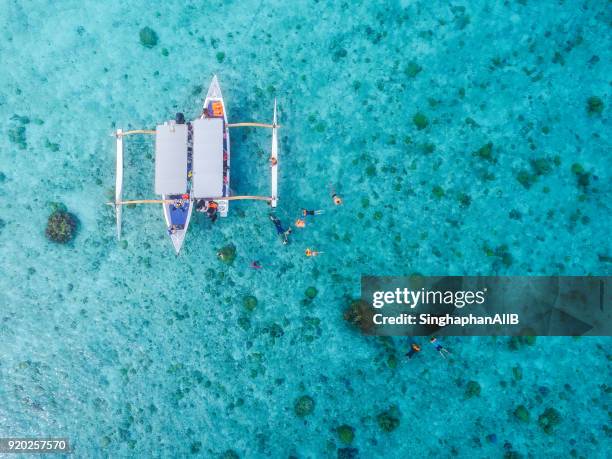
[337,199]
[306,212]
[300,223]
[255,265]
[414,349]
[280,230]
[439,347]
[312,253]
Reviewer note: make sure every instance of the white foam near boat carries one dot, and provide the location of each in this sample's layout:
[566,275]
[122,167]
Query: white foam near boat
[192,166]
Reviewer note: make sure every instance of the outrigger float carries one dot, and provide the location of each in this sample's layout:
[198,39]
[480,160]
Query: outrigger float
[192,166]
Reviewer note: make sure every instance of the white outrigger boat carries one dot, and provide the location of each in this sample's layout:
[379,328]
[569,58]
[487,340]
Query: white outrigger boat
[192,166]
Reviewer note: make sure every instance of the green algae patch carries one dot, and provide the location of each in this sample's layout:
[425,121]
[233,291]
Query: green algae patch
[389,420]
[464,199]
[594,106]
[54,147]
[249,302]
[61,226]
[517,373]
[544,165]
[17,135]
[303,406]
[583,178]
[472,389]
[420,121]
[275,331]
[227,254]
[412,69]
[486,153]
[525,178]
[549,419]
[521,413]
[438,192]
[516,342]
[220,57]
[311,292]
[148,37]
[346,434]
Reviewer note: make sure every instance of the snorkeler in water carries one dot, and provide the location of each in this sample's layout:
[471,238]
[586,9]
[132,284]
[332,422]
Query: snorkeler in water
[280,230]
[439,347]
[306,212]
[337,199]
[414,349]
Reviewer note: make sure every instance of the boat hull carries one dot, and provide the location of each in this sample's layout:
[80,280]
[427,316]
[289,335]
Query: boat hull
[214,95]
[177,220]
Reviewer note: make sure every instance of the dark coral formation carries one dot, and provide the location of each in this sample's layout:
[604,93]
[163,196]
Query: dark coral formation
[348,453]
[346,433]
[521,413]
[311,292]
[583,178]
[360,314]
[148,37]
[249,302]
[549,419]
[389,420]
[61,226]
[486,153]
[420,121]
[594,105]
[472,389]
[227,254]
[412,69]
[303,406]
[17,135]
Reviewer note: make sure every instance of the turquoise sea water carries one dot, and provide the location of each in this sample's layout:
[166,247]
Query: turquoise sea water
[132,352]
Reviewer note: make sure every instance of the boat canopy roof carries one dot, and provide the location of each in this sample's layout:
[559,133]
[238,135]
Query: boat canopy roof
[207,157]
[171,159]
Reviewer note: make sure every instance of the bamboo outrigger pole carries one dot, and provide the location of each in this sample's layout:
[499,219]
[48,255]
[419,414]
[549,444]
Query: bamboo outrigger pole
[137,131]
[262,125]
[169,201]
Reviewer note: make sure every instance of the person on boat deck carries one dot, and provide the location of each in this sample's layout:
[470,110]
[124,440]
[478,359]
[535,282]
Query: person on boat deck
[306,212]
[273,161]
[172,229]
[280,230]
[212,211]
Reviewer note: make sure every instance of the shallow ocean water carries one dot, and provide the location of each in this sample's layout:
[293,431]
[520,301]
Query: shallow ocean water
[132,352]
